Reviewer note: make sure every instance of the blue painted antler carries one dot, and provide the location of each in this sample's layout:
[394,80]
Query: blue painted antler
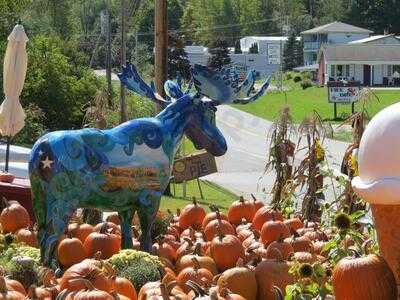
[132,80]
[223,86]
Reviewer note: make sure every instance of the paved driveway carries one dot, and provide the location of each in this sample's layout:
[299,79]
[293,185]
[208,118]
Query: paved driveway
[241,169]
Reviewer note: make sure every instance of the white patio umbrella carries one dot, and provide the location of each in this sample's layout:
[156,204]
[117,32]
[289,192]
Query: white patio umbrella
[12,116]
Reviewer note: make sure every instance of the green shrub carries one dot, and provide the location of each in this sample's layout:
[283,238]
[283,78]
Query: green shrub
[297,78]
[306,75]
[288,76]
[306,83]
[33,128]
[55,84]
[139,267]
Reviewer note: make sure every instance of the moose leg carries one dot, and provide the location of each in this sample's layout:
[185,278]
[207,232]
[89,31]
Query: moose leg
[58,215]
[126,221]
[149,204]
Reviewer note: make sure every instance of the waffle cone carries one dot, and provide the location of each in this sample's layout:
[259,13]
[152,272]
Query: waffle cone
[387,224]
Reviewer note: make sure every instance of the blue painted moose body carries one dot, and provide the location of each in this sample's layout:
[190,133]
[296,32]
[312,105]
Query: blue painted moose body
[127,168]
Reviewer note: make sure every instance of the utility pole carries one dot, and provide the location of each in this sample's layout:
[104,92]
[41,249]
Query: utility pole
[161,53]
[161,46]
[123,115]
[108,56]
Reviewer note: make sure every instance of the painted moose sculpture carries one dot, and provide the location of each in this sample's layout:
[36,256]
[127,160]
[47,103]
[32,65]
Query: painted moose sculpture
[127,168]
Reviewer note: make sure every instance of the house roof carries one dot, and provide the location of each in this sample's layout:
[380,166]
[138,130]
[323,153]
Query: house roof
[266,38]
[360,52]
[373,38]
[337,27]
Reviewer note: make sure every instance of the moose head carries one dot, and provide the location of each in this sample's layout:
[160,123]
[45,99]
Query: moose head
[195,110]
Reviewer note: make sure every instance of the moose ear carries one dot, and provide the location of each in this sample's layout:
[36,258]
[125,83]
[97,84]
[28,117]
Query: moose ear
[133,82]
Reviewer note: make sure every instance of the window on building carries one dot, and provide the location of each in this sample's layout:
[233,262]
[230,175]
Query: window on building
[339,71]
[396,68]
[333,67]
[389,70]
[347,70]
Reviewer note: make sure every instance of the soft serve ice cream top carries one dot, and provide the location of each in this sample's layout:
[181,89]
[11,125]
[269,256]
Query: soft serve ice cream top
[379,159]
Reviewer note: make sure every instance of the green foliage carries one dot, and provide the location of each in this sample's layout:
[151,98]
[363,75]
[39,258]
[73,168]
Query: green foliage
[297,78]
[161,224]
[219,54]
[26,272]
[253,49]
[56,85]
[178,61]
[33,128]
[11,13]
[292,53]
[306,83]
[238,49]
[139,267]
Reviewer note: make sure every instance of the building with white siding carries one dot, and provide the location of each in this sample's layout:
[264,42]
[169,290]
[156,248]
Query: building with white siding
[371,64]
[335,33]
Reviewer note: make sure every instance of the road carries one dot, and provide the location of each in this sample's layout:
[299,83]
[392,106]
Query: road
[241,169]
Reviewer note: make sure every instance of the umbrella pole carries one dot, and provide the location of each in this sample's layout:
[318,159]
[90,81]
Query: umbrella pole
[8,152]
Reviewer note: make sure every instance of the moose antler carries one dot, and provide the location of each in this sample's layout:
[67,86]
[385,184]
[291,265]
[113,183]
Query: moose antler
[223,86]
[132,80]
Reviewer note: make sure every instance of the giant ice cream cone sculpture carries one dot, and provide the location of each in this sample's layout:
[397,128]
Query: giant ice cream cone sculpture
[378,182]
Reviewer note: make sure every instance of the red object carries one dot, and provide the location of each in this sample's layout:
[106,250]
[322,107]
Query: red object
[19,190]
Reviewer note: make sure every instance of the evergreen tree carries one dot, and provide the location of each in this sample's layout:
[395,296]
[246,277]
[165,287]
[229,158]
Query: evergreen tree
[238,49]
[253,49]
[299,53]
[178,61]
[289,53]
[219,54]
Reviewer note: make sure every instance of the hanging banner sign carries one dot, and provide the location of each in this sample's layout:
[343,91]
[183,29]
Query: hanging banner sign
[343,93]
[274,54]
[193,166]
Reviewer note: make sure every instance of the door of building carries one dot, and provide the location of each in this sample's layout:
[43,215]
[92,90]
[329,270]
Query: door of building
[367,75]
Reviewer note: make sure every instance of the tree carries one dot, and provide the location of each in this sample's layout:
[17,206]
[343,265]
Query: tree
[238,49]
[178,61]
[289,53]
[253,49]
[219,54]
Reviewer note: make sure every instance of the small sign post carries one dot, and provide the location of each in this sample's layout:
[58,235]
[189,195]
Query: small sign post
[343,93]
[194,166]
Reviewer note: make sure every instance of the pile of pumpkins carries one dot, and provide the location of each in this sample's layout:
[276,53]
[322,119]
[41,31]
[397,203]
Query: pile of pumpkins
[244,254]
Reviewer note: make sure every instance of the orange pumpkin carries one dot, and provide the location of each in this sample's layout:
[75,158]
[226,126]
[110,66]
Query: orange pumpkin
[80,231]
[366,278]
[89,292]
[110,226]
[86,269]
[70,251]
[240,280]
[284,249]
[124,287]
[273,230]
[27,237]
[265,214]
[14,285]
[257,203]
[13,217]
[192,215]
[210,231]
[38,293]
[294,223]
[108,243]
[205,262]
[213,216]
[226,250]
[300,243]
[270,273]
[196,274]
[241,209]
[9,294]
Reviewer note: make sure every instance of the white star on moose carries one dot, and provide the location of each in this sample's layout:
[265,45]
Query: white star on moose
[47,163]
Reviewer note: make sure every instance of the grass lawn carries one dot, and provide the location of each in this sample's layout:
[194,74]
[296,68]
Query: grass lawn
[303,102]
[213,194]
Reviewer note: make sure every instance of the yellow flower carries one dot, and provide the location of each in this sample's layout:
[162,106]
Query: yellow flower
[319,151]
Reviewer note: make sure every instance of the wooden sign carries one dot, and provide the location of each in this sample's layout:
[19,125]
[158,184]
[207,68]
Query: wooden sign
[339,92]
[193,166]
